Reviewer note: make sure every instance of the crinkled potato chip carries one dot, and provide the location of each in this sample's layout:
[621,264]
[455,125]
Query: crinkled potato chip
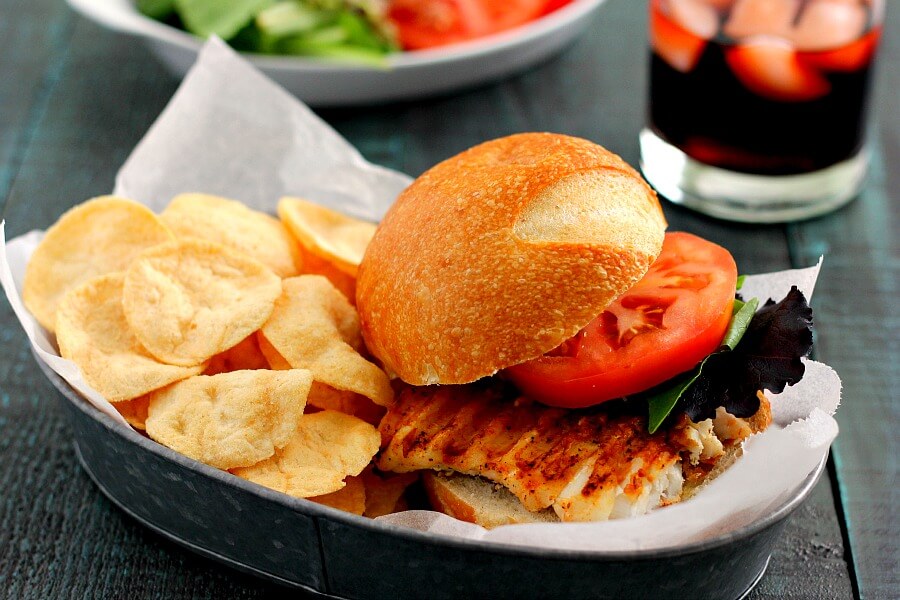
[189,300]
[314,327]
[316,265]
[335,237]
[326,448]
[384,492]
[100,236]
[245,356]
[351,498]
[134,411]
[237,227]
[326,397]
[232,419]
[92,332]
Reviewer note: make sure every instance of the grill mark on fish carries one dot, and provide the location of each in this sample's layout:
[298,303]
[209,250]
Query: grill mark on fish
[467,428]
[533,450]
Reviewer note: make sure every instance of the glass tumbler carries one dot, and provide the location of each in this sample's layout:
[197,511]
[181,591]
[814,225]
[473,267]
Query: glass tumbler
[757,108]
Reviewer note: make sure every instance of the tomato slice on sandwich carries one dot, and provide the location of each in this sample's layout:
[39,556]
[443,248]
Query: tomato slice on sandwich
[664,325]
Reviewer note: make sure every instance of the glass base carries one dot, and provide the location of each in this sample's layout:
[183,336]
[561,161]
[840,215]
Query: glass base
[744,197]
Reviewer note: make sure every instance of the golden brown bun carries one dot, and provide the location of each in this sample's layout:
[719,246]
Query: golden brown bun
[499,254]
[479,501]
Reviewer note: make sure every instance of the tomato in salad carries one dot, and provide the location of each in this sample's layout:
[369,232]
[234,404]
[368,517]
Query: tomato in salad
[664,325]
[430,23]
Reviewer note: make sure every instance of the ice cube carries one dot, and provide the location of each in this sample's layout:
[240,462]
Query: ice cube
[697,16]
[673,43]
[769,67]
[826,24]
[720,5]
[761,17]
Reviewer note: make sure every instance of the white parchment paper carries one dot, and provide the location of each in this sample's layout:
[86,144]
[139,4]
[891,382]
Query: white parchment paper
[230,131]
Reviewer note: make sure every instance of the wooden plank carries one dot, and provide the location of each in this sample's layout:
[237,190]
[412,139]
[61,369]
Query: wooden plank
[99,109]
[57,535]
[59,538]
[811,544]
[31,35]
[859,335]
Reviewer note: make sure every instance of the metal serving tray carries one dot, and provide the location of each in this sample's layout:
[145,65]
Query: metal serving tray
[305,545]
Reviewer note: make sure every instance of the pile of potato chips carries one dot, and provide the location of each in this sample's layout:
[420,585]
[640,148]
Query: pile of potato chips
[226,335]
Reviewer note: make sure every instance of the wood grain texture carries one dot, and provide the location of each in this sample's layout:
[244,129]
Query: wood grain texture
[32,35]
[84,97]
[859,335]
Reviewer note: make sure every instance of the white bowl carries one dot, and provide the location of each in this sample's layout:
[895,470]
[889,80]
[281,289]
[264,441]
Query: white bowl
[408,75]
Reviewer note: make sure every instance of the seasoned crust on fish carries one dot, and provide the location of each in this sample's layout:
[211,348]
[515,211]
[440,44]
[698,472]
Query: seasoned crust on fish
[584,465]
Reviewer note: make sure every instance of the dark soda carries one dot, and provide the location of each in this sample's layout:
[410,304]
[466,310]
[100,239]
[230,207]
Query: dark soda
[758,104]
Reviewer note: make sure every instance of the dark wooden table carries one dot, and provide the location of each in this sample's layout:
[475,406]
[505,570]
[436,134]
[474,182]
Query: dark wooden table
[74,100]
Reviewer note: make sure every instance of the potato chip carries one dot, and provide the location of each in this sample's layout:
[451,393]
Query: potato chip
[326,448]
[235,226]
[245,356]
[326,397]
[135,411]
[314,327]
[92,332]
[189,300]
[316,265]
[276,361]
[337,238]
[351,498]
[384,492]
[232,419]
[97,237]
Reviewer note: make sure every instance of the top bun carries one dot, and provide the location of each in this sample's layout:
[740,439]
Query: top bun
[499,254]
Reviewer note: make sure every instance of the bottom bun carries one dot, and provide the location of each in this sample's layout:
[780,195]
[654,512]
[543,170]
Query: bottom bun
[477,500]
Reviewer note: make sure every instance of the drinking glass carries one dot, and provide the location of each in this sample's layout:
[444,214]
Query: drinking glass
[758,108]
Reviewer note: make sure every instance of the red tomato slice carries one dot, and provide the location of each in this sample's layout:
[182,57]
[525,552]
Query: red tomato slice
[664,325]
[512,13]
[554,5]
[429,23]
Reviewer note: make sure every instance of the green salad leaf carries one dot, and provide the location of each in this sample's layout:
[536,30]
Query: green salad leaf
[223,18]
[768,357]
[663,399]
[347,30]
[762,350]
[156,9]
[289,18]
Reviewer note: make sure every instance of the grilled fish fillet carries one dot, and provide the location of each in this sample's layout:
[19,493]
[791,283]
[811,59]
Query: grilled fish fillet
[586,465]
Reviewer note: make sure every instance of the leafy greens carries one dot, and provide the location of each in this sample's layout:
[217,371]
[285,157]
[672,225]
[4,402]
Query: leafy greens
[355,30]
[760,351]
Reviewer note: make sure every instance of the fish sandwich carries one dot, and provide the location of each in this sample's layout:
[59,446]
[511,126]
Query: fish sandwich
[526,294]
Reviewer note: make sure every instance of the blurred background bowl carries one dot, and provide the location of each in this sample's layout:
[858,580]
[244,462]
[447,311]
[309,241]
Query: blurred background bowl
[409,75]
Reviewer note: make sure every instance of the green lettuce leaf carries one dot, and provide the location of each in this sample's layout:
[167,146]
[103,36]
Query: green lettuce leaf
[768,357]
[663,399]
[156,9]
[223,18]
[762,354]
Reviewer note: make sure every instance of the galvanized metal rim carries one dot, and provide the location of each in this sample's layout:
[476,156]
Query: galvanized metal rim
[319,511]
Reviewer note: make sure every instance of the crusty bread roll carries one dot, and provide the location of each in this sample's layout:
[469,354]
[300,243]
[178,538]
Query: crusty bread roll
[499,254]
